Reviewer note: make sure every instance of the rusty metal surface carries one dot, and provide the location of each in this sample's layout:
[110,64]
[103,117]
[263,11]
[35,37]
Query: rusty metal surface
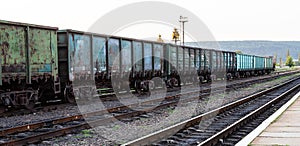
[43,51]
[27,50]
[13,45]
[38,125]
[47,135]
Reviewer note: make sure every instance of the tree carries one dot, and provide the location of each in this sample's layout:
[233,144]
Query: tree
[289,61]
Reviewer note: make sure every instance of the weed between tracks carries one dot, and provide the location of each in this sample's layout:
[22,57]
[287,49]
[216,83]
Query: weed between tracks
[116,127]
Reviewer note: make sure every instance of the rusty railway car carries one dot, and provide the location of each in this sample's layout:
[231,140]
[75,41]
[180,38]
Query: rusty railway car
[29,65]
[41,63]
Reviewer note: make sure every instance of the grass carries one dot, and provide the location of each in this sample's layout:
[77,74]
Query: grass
[116,127]
[83,136]
[86,133]
[143,119]
[274,121]
[170,110]
[279,80]
[57,139]
[120,142]
[285,69]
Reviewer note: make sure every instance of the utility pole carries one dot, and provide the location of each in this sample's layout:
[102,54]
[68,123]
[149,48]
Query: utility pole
[183,20]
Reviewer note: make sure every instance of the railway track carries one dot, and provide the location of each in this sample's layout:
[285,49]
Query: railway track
[36,132]
[111,96]
[252,122]
[223,125]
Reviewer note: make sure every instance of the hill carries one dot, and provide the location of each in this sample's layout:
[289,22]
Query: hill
[261,48]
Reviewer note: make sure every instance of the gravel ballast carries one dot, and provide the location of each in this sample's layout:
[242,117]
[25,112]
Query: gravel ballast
[121,132]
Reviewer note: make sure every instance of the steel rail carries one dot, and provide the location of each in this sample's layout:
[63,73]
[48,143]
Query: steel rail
[169,131]
[85,125]
[225,132]
[110,110]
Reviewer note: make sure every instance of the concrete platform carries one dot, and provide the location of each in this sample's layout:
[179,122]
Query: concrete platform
[282,128]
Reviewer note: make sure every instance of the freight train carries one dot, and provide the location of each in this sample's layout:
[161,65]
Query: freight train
[40,63]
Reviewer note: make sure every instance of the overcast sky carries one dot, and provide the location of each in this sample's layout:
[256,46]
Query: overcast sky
[226,19]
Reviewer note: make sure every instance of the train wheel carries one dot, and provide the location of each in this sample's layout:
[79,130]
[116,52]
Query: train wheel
[151,85]
[30,105]
[45,96]
[238,76]
[248,74]
[2,109]
[201,79]
[69,97]
[138,91]
[228,76]
[208,78]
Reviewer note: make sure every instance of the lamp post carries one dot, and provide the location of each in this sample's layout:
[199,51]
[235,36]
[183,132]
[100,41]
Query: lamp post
[183,20]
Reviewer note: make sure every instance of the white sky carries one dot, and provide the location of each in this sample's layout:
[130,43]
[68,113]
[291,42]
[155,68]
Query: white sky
[226,19]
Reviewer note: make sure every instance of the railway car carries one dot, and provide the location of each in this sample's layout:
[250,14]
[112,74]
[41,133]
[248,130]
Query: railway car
[259,65]
[29,66]
[230,64]
[196,64]
[250,65]
[88,56]
[39,63]
[245,65]
[269,64]
[181,65]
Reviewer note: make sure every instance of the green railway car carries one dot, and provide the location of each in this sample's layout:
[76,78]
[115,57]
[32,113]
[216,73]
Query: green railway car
[28,63]
[259,63]
[244,62]
[269,65]
[76,63]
